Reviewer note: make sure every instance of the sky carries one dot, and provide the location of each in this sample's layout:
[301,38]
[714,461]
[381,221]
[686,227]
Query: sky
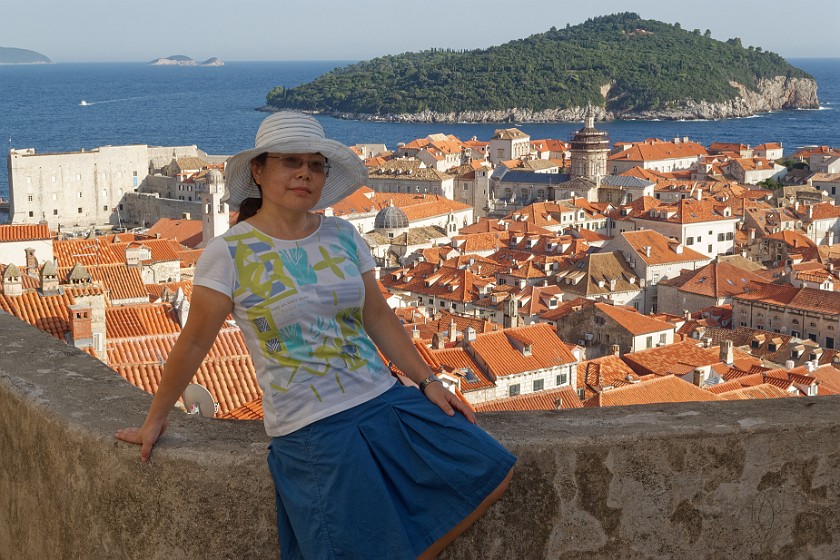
[131,31]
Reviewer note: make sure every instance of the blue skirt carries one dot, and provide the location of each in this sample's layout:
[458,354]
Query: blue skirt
[385,479]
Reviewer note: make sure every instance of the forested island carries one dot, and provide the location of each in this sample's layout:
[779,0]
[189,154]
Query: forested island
[11,55]
[622,65]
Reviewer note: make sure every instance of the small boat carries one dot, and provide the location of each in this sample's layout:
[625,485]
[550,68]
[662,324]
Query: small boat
[84,103]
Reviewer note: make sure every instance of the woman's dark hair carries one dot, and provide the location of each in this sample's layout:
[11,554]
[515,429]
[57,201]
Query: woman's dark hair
[250,206]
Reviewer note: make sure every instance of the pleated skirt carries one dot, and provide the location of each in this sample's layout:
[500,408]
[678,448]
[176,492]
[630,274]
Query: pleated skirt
[382,480]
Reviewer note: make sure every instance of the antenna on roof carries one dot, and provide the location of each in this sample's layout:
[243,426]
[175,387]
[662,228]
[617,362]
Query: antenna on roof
[198,400]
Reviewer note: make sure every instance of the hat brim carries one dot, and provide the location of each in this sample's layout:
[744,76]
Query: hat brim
[347,170]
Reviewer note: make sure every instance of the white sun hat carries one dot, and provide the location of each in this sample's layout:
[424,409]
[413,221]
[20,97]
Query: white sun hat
[289,132]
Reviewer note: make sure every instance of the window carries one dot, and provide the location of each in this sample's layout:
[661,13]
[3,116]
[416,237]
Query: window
[721,237]
[80,210]
[562,379]
[513,390]
[794,334]
[31,214]
[710,249]
[55,212]
[829,342]
[539,384]
[649,342]
[581,393]
[30,198]
[663,338]
[105,208]
[812,336]
[689,241]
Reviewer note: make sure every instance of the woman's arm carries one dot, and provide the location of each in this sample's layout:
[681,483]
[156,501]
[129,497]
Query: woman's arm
[208,309]
[385,329]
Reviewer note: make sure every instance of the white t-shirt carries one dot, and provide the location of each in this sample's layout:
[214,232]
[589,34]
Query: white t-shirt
[299,304]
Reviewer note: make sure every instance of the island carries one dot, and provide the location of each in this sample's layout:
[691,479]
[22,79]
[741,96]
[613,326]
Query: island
[11,55]
[621,65]
[181,60]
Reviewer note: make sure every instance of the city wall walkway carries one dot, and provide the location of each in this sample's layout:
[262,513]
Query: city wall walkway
[748,479]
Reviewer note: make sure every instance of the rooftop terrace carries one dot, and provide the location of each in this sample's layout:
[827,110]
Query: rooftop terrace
[748,479]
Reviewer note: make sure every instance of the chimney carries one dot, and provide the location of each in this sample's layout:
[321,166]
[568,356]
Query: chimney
[415,332]
[453,330]
[687,314]
[615,349]
[810,211]
[31,263]
[647,251]
[81,326]
[727,354]
[469,334]
[811,365]
[678,248]
[789,364]
[437,342]
[751,231]
[699,193]
[707,342]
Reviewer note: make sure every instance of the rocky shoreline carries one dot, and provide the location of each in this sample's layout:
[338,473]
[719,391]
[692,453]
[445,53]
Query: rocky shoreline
[779,93]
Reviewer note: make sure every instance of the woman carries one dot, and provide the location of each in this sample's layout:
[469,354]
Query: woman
[361,464]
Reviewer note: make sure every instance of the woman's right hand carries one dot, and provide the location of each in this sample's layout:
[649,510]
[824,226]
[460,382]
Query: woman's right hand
[145,437]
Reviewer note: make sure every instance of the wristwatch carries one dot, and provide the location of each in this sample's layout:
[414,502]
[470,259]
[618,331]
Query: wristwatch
[428,381]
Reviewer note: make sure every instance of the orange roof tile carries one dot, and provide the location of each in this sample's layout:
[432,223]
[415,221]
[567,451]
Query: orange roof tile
[661,249]
[227,371]
[140,320]
[660,390]
[633,321]
[185,232]
[563,398]
[502,357]
[24,232]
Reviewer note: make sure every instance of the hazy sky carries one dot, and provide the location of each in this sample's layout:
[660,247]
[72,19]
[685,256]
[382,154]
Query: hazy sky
[116,30]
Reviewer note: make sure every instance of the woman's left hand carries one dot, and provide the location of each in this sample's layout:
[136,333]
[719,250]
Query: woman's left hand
[447,401]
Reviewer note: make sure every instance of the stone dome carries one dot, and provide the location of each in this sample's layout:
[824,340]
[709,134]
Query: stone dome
[215,177]
[390,217]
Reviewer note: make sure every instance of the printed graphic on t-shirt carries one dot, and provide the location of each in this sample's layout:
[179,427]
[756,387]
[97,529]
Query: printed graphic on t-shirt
[305,306]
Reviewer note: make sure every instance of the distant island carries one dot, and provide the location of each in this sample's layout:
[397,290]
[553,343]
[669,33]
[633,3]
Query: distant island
[623,66]
[181,60]
[10,55]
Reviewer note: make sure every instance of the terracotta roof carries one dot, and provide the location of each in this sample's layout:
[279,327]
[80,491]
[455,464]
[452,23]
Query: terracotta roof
[252,410]
[681,357]
[227,371]
[140,320]
[606,371]
[48,313]
[185,232]
[503,358]
[554,399]
[633,321]
[657,150]
[662,250]
[24,232]
[119,281]
[659,390]
[585,276]
[761,391]
[718,279]
[445,283]
[458,359]
[808,299]
[688,211]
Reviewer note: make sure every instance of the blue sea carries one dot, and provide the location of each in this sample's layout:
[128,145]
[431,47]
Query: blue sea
[214,108]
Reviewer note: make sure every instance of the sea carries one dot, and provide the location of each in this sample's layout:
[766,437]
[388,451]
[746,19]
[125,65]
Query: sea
[67,107]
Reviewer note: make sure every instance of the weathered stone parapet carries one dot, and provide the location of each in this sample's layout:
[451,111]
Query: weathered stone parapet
[747,479]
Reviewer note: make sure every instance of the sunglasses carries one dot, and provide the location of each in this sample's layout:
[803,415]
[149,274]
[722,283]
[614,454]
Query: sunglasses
[296,162]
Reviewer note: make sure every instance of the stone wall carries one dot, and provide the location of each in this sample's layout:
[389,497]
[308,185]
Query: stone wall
[754,479]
